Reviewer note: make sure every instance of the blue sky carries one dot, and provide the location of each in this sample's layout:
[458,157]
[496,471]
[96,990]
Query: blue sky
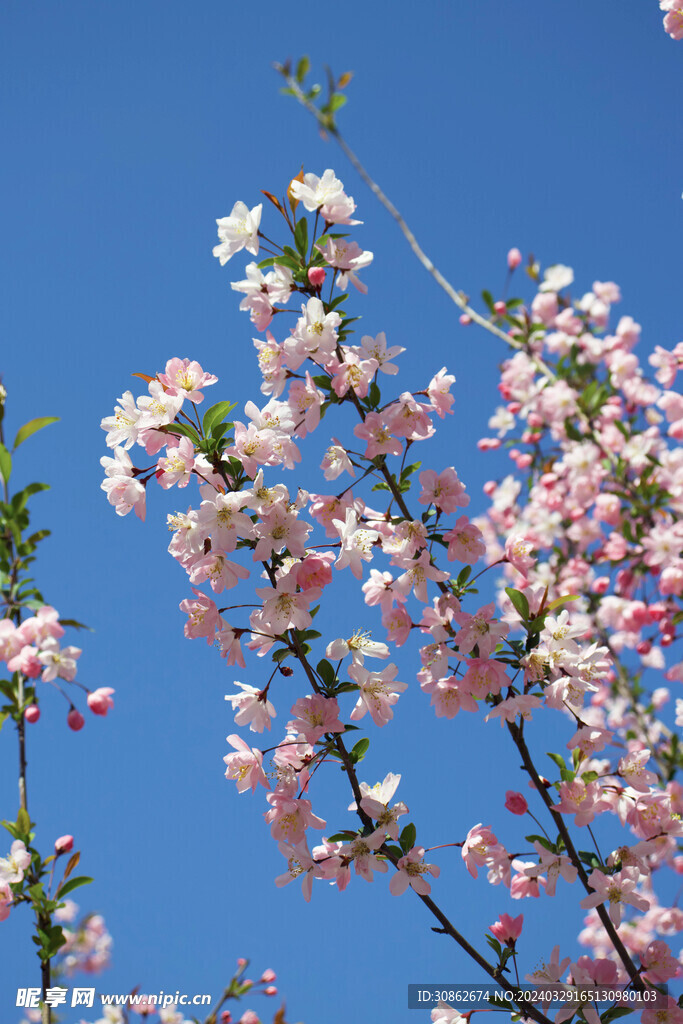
[128,129]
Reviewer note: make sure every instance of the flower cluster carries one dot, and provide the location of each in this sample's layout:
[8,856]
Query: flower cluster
[604,491]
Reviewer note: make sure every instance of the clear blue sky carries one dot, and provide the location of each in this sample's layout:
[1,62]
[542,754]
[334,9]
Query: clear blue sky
[127,129]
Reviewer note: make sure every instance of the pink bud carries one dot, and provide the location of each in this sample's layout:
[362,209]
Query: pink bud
[600,585]
[249,1017]
[657,611]
[489,487]
[506,929]
[75,720]
[99,701]
[64,844]
[500,308]
[667,639]
[270,990]
[226,1017]
[524,461]
[465,320]
[32,713]
[534,420]
[514,407]
[515,802]
[268,976]
[316,275]
[241,962]
[514,259]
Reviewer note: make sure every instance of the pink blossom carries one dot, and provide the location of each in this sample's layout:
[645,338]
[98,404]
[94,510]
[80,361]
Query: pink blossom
[245,766]
[410,871]
[439,392]
[186,378]
[254,708]
[13,866]
[616,889]
[378,692]
[378,434]
[315,715]
[465,542]
[100,700]
[203,618]
[480,630]
[6,900]
[507,929]
[444,490]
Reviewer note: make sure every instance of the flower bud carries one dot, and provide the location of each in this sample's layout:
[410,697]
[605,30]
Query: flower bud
[64,844]
[500,308]
[316,275]
[32,713]
[514,259]
[515,802]
[75,720]
[465,320]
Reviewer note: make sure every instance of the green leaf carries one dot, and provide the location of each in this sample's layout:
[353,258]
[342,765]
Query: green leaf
[519,601]
[337,101]
[562,600]
[572,433]
[3,716]
[5,463]
[23,822]
[215,415]
[408,837]
[302,69]
[301,237]
[359,750]
[558,759]
[32,427]
[326,672]
[75,624]
[73,883]
[182,430]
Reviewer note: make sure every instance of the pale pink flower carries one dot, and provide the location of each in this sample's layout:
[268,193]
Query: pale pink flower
[376,348]
[410,871]
[290,817]
[444,490]
[356,543]
[480,630]
[203,618]
[238,231]
[465,542]
[380,439]
[478,847]
[58,662]
[254,708]
[186,378]
[315,716]
[245,766]
[617,889]
[6,900]
[439,392]
[378,692]
[13,866]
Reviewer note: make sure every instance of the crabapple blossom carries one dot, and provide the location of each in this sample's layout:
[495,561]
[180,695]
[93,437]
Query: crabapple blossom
[507,929]
[238,231]
[410,871]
